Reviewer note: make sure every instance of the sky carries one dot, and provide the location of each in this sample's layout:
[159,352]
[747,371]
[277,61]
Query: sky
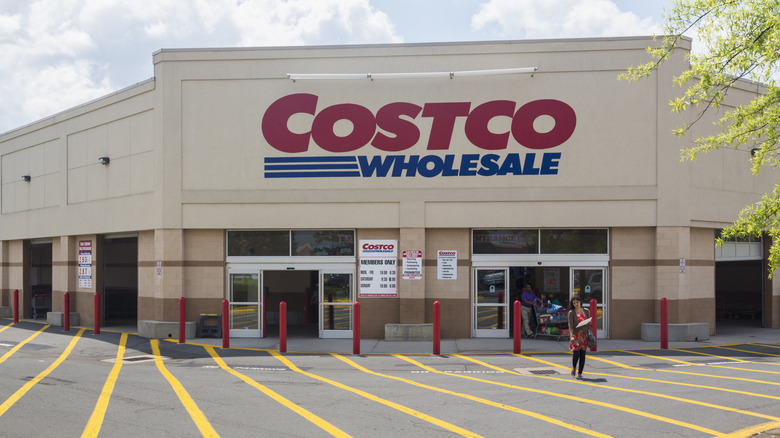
[57,54]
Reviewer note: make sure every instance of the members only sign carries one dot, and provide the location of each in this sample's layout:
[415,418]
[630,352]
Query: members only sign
[378,268]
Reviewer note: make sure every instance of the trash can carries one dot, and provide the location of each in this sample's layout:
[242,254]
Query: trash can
[210,325]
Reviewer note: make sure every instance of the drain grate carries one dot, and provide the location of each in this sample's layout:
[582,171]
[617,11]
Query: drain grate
[538,371]
[135,359]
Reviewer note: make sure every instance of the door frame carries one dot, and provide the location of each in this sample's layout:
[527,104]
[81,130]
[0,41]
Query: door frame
[320,268]
[603,331]
[503,307]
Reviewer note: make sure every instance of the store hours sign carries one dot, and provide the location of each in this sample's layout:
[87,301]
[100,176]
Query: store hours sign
[378,270]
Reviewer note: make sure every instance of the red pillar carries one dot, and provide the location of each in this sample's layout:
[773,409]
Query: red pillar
[356,328]
[181,321]
[16,306]
[225,324]
[97,313]
[436,327]
[66,313]
[664,325]
[517,327]
[594,322]
[283,327]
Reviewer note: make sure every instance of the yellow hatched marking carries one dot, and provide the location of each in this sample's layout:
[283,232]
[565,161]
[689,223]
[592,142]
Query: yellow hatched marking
[753,352]
[441,423]
[196,414]
[731,359]
[754,430]
[709,366]
[571,397]
[477,399]
[714,388]
[96,419]
[21,344]
[328,427]
[27,386]
[6,327]
[634,391]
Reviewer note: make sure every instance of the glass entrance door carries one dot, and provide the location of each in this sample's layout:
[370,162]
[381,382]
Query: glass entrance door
[589,283]
[245,303]
[337,297]
[490,303]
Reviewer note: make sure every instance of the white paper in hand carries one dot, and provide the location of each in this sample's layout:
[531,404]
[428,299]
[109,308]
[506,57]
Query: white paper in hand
[584,322]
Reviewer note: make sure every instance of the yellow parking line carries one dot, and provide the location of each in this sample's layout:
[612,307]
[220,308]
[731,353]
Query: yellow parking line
[476,399]
[754,430]
[709,366]
[27,386]
[441,423]
[571,397]
[754,352]
[96,419]
[669,382]
[6,327]
[634,391]
[21,344]
[328,427]
[731,359]
[192,408]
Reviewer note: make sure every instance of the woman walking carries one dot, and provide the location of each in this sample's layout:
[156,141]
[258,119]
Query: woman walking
[578,336]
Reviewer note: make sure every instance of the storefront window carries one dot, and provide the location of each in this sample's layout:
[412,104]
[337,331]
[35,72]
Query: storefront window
[578,241]
[323,243]
[305,243]
[258,243]
[506,241]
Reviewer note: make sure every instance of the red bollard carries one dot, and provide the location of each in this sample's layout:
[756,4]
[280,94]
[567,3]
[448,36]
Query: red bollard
[181,321]
[517,327]
[225,324]
[356,328]
[16,306]
[664,325]
[283,327]
[66,308]
[594,314]
[97,313]
[436,327]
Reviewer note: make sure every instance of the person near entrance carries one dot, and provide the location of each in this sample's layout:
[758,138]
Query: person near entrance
[527,300]
[578,336]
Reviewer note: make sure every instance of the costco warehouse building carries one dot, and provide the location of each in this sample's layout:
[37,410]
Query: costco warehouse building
[394,175]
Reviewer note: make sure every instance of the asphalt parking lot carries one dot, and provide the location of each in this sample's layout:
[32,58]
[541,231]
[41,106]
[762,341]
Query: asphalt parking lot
[118,384]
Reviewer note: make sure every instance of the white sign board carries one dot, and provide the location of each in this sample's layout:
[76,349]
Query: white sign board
[447,265]
[85,264]
[378,271]
[412,264]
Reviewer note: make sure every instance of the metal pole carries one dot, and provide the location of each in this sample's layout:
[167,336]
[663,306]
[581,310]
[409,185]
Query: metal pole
[97,313]
[283,327]
[66,316]
[436,327]
[356,328]
[517,327]
[225,324]
[664,325]
[181,321]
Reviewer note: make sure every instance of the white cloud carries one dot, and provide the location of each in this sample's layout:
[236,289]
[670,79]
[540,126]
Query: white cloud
[559,19]
[56,54]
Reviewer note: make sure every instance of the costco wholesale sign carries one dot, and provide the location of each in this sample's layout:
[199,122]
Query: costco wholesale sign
[394,128]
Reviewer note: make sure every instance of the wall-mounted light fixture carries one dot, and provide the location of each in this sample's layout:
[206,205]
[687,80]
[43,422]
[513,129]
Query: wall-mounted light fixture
[26,178]
[104,160]
[412,75]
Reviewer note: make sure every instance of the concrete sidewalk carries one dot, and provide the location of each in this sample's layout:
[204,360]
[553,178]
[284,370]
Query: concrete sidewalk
[727,334]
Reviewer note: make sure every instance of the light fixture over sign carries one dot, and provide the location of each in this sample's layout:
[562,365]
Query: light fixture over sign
[104,160]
